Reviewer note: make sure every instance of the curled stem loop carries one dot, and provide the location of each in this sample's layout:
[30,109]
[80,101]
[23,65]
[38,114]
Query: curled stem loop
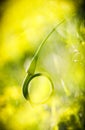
[31,70]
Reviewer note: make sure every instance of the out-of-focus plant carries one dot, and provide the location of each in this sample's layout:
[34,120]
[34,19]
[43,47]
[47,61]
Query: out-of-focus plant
[23,25]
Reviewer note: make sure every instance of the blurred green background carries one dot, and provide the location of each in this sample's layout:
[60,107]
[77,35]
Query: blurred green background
[23,26]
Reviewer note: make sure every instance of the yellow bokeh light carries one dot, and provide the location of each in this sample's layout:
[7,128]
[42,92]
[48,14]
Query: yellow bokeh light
[24,24]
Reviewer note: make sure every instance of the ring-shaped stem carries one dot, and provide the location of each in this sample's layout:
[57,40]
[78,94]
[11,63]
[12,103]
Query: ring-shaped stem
[31,70]
[27,82]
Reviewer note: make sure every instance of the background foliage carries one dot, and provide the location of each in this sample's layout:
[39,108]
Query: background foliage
[23,25]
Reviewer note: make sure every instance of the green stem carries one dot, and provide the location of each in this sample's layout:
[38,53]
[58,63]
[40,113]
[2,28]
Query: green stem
[32,66]
[30,72]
